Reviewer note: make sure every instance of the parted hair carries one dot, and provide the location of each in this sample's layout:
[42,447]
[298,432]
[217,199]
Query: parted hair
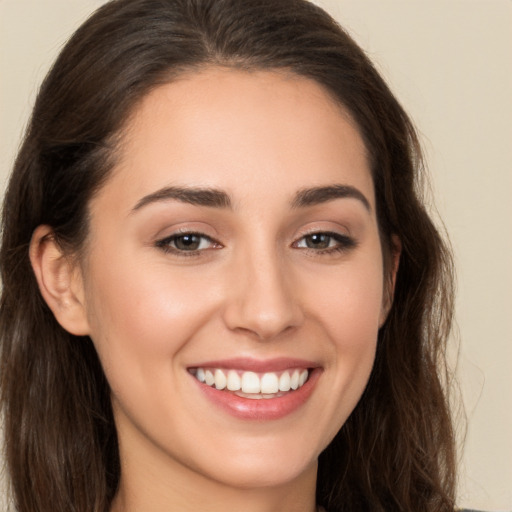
[396,450]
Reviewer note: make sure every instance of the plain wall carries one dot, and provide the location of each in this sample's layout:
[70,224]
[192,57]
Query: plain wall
[450,64]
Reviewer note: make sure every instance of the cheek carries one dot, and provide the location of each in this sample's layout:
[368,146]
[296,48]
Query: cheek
[145,313]
[347,308]
[348,302]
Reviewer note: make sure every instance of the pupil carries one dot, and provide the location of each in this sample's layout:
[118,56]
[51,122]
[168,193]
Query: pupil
[318,241]
[187,242]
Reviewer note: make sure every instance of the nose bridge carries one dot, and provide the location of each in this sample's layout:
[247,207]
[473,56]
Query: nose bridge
[262,298]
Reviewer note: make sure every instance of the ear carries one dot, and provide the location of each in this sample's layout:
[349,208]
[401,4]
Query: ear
[60,281]
[390,278]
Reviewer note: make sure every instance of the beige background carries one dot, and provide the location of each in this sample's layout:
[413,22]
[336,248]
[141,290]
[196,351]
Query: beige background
[450,63]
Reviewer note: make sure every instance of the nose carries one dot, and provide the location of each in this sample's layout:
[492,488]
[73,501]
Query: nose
[262,298]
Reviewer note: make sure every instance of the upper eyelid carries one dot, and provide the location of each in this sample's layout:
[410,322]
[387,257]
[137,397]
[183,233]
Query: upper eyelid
[184,231]
[332,234]
[339,231]
[178,234]
[344,242]
[164,244]
[325,231]
[309,232]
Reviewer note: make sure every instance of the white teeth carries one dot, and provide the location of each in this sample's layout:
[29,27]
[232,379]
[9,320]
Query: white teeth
[284,382]
[209,378]
[250,383]
[234,381]
[200,375]
[294,381]
[265,385]
[269,383]
[220,379]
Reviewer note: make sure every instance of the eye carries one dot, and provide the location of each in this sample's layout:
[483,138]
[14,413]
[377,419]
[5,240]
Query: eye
[325,242]
[187,243]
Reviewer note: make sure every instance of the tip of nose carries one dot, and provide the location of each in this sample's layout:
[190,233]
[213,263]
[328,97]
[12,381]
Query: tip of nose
[264,304]
[265,325]
[266,333]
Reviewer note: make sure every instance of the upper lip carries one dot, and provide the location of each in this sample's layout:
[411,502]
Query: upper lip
[257,365]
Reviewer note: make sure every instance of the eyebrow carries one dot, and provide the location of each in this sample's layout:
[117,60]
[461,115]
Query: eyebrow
[319,195]
[215,198]
[197,196]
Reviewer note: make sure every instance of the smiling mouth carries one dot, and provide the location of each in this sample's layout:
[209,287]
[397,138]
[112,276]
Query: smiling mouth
[252,385]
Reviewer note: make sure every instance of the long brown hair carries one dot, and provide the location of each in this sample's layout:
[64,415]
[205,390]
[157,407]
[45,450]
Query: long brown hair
[396,451]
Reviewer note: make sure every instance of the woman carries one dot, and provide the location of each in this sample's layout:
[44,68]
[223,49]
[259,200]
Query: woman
[221,288]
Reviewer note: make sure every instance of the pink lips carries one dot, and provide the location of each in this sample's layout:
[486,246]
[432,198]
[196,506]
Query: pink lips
[263,409]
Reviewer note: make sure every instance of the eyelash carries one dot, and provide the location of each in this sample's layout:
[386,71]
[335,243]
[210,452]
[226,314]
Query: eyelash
[344,243]
[165,244]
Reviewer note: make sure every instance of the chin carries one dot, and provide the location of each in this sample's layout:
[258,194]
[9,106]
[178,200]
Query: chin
[269,463]
[258,473]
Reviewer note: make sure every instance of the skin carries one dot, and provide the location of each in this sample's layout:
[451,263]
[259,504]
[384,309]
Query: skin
[256,291]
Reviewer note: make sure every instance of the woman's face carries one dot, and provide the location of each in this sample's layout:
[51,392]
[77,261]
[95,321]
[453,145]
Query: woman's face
[236,242]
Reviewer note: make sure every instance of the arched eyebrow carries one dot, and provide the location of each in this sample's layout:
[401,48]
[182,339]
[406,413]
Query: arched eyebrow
[211,197]
[318,195]
[215,198]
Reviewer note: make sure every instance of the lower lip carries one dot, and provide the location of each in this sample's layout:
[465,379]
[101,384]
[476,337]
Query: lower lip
[261,409]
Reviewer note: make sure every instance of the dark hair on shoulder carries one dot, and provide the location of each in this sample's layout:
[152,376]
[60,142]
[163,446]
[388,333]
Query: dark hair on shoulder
[396,450]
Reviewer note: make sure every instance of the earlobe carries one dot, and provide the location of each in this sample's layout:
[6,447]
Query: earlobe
[59,280]
[390,278]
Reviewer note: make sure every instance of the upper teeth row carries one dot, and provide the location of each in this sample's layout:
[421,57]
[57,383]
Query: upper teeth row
[250,382]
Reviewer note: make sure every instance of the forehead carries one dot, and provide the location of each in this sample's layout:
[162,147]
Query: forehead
[242,131]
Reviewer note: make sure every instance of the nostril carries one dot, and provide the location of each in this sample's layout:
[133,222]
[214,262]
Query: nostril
[264,329]
[262,300]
